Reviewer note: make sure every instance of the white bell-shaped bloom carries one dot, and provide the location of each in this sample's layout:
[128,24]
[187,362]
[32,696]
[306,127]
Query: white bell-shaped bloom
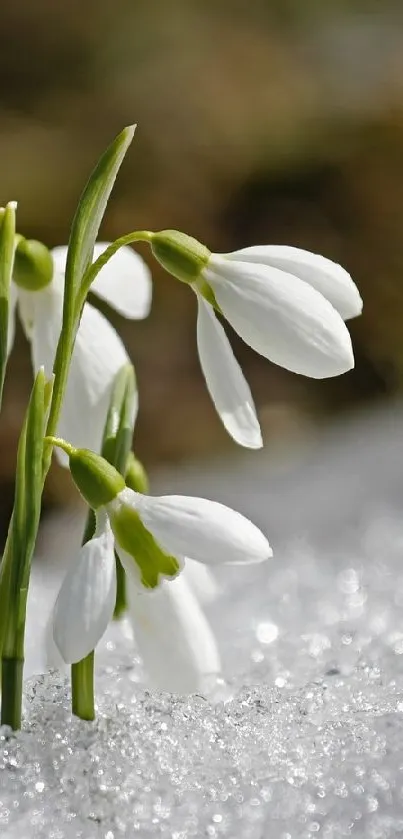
[281,317]
[283,312]
[326,276]
[86,600]
[173,636]
[185,526]
[124,282]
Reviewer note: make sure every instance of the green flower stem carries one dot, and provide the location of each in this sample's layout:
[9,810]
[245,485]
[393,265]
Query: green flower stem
[94,269]
[136,479]
[11,689]
[82,688]
[82,673]
[116,443]
[121,598]
[12,664]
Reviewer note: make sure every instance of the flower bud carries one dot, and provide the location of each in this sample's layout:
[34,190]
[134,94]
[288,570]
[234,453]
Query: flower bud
[180,255]
[98,481]
[33,264]
[136,476]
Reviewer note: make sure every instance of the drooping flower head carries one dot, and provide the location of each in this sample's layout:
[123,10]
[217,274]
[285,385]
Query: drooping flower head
[289,305]
[153,537]
[99,353]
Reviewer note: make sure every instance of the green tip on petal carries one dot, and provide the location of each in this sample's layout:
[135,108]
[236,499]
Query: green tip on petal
[180,254]
[33,264]
[131,535]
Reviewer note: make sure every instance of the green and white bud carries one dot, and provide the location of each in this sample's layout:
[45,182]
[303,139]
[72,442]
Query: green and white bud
[181,255]
[33,264]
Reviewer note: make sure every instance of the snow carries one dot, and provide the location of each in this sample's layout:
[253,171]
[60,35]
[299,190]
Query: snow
[305,739]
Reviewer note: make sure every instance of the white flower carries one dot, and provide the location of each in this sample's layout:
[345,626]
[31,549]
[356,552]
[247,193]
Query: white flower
[173,637]
[124,282]
[288,305]
[327,277]
[153,537]
[87,596]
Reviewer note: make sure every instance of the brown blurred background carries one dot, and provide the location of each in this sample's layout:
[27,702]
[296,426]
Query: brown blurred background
[277,121]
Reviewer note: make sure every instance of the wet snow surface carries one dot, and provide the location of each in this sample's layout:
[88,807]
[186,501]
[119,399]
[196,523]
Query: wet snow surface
[306,740]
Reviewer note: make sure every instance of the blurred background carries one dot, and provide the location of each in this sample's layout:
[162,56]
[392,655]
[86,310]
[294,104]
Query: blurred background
[276,121]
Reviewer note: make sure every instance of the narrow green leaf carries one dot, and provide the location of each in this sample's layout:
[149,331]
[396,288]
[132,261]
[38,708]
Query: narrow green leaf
[5,578]
[92,207]
[26,513]
[83,235]
[33,456]
[120,420]
[7,249]
[116,446]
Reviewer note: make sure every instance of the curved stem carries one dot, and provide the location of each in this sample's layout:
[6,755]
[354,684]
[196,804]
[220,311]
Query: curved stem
[109,252]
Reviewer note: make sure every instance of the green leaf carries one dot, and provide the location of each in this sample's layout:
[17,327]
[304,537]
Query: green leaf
[25,519]
[35,428]
[116,446]
[83,235]
[7,248]
[118,432]
[91,209]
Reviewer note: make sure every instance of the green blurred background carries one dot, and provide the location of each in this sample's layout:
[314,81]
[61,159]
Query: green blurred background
[277,121]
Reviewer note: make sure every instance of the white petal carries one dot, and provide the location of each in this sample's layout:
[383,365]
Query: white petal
[60,258]
[12,302]
[87,597]
[41,318]
[204,530]
[54,658]
[124,282]
[329,278]
[225,381]
[173,637]
[282,318]
[201,581]
[97,357]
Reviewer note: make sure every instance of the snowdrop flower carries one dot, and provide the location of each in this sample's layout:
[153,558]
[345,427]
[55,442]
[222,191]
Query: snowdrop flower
[173,637]
[287,304]
[152,537]
[99,353]
[327,277]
